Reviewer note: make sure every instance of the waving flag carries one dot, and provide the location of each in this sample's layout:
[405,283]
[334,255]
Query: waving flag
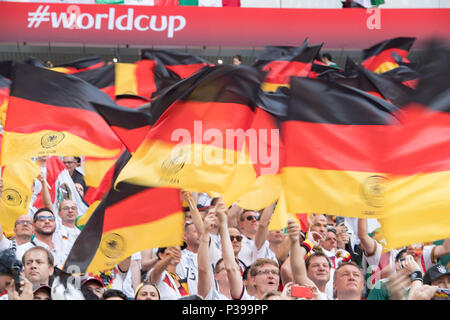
[15,198]
[50,113]
[333,136]
[272,108]
[296,63]
[182,64]
[102,78]
[197,142]
[370,82]
[112,234]
[80,65]
[419,159]
[379,58]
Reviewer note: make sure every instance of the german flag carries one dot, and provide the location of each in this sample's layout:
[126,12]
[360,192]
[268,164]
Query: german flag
[198,140]
[102,77]
[418,159]
[333,138]
[266,153]
[182,64]
[142,78]
[5,85]
[404,75]
[96,168]
[95,194]
[131,101]
[16,196]
[379,58]
[319,68]
[367,81]
[50,113]
[268,157]
[112,234]
[79,65]
[280,70]
[130,125]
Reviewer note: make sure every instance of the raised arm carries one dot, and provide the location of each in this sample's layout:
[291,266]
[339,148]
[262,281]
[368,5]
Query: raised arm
[161,265]
[204,268]
[229,260]
[263,226]
[233,215]
[45,193]
[298,253]
[368,244]
[441,250]
[195,214]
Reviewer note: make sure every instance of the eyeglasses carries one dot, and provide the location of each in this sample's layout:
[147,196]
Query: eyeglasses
[250,218]
[68,162]
[267,272]
[238,238]
[43,218]
[24,222]
[68,208]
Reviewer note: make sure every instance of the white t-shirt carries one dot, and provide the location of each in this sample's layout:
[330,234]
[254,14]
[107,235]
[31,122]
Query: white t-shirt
[12,244]
[249,253]
[215,294]
[188,269]
[167,287]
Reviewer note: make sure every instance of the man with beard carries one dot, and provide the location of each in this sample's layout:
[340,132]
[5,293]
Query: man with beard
[44,226]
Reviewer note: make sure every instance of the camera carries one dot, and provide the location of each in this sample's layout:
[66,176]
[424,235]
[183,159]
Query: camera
[10,265]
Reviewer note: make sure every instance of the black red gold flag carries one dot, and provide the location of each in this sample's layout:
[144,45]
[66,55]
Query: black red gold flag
[379,58]
[128,220]
[51,113]
[198,140]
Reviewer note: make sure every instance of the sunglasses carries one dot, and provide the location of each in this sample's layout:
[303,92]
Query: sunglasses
[250,218]
[43,218]
[238,238]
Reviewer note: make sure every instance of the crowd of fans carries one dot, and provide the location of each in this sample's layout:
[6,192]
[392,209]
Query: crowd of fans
[229,253]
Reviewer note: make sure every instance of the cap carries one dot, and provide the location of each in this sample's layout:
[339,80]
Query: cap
[94,278]
[42,286]
[435,272]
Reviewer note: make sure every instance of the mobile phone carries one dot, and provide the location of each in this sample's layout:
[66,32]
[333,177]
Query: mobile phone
[442,294]
[17,278]
[301,292]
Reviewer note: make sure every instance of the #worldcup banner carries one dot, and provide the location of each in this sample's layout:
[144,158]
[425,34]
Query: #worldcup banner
[227,26]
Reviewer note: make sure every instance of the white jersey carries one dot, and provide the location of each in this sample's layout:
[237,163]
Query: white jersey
[249,253]
[188,269]
[12,244]
[168,288]
[264,252]
[215,294]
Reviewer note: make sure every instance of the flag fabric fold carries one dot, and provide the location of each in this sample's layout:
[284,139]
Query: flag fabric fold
[16,195]
[379,58]
[51,113]
[128,220]
[418,159]
[333,136]
[198,140]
